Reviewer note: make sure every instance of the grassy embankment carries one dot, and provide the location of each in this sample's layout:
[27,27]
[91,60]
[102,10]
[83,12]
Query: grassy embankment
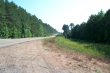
[100,51]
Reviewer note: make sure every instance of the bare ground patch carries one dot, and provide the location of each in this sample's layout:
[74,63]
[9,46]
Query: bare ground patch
[45,57]
[74,61]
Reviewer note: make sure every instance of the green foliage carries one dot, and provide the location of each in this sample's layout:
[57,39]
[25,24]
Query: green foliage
[15,22]
[66,30]
[106,24]
[96,29]
[71,25]
[92,49]
[4,31]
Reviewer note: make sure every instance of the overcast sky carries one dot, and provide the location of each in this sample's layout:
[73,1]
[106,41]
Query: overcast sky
[59,12]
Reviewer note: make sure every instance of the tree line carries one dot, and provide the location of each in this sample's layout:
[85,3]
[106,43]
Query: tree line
[16,22]
[96,29]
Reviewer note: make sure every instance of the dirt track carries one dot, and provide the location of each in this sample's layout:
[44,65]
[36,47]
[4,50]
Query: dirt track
[34,57]
[29,57]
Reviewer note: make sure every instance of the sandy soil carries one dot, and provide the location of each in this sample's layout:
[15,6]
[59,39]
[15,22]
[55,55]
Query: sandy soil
[36,57]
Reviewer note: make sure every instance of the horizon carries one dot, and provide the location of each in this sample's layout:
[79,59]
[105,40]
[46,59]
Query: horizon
[59,12]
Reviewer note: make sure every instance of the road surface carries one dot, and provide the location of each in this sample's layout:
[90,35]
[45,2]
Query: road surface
[10,42]
[30,55]
[24,56]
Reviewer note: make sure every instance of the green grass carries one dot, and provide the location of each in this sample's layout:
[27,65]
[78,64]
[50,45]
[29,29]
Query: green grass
[100,51]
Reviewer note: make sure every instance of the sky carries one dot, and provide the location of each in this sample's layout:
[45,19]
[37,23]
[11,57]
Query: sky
[59,12]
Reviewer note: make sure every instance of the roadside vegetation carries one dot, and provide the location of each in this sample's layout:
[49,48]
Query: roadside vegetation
[91,38]
[79,53]
[96,29]
[16,22]
[99,51]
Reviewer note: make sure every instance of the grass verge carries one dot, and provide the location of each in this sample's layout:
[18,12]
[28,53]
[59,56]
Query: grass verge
[100,51]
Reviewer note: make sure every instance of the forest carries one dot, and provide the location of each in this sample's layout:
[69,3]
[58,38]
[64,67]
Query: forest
[96,29]
[16,22]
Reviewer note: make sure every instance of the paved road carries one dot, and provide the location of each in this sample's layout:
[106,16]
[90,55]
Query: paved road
[9,42]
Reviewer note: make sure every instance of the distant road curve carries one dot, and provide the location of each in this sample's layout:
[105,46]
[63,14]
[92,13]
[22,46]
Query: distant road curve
[9,42]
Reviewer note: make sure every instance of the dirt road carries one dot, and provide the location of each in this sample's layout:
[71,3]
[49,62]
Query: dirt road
[28,57]
[32,56]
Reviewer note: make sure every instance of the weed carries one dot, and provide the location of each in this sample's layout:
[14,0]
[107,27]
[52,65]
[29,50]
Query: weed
[100,51]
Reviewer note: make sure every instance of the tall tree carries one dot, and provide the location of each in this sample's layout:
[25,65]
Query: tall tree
[66,30]
[71,25]
[107,26]
[16,22]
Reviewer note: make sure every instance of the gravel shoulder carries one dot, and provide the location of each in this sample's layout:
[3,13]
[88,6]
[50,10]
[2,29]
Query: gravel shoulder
[33,56]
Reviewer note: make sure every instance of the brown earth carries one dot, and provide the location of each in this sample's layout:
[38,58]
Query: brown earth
[44,57]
